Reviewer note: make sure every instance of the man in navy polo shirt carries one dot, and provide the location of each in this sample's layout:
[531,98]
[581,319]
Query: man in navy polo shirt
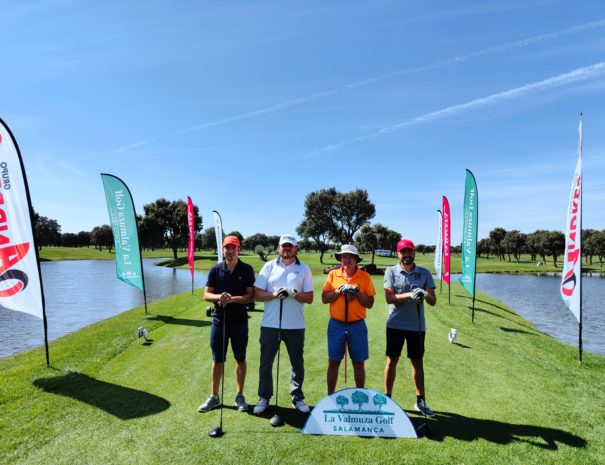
[230,287]
[406,288]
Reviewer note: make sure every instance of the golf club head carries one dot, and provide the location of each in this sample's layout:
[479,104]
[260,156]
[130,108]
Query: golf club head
[216,432]
[276,421]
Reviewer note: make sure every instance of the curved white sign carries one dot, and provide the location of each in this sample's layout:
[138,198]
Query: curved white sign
[359,412]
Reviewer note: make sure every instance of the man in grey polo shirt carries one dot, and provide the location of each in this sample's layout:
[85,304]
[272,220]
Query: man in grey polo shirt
[287,279]
[406,288]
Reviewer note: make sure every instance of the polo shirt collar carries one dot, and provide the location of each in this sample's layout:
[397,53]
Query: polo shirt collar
[223,265]
[401,270]
[340,273]
[296,260]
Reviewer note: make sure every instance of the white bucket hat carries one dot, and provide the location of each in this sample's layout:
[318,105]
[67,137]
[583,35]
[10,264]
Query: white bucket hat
[347,248]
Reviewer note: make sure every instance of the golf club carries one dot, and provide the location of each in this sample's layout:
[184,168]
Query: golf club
[422,429]
[276,420]
[218,431]
[346,334]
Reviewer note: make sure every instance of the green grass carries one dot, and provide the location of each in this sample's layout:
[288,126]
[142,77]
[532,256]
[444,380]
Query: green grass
[504,394]
[91,253]
[204,260]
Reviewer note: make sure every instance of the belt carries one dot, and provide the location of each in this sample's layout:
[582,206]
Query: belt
[348,322]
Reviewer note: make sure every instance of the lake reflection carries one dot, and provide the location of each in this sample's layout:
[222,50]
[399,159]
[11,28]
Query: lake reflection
[538,299]
[82,292]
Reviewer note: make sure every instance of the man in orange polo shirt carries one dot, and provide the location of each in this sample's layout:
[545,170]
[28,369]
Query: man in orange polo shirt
[349,291]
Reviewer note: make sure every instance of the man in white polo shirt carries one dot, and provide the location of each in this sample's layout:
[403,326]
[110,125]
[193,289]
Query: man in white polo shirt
[287,279]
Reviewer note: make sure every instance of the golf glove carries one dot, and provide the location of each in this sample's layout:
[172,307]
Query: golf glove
[418,294]
[285,292]
[348,289]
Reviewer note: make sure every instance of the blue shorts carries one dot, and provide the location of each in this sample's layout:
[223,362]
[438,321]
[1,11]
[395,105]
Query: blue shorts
[238,335]
[356,339]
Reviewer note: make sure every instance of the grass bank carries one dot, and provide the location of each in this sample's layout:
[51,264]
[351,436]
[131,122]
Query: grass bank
[504,394]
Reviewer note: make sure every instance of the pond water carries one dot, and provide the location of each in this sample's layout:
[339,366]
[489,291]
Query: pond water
[81,292]
[537,299]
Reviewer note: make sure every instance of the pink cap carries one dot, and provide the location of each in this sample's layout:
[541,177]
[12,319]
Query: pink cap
[405,244]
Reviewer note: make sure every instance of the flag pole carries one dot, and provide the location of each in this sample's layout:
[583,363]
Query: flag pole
[580,242]
[476,233]
[31,216]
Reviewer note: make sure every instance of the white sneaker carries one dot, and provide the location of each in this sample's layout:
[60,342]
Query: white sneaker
[423,408]
[212,402]
[261,406]
[301,406]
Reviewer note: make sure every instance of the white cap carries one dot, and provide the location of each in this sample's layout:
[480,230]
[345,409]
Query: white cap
[287,239]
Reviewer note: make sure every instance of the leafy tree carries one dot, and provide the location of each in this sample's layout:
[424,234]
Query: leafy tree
[360,397]
[532,245]
[318,224]
[392,238]
[369,238]
[353,210]
[588,245]
[262,252]
[273,242]
[251,242]
[69,240]
[102,236]
[366,240]
[48,232]
[496,236]
[84,239]
[379,400]
[307,245]
[172,217]
[513,243]
[483,247]
[421,248]
[557,245]
[151,232]
[208,239]
[332,216]
[342,401]
[598,238]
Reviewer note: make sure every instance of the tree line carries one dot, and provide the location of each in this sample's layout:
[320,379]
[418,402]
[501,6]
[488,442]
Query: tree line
[505,244]
[330,218]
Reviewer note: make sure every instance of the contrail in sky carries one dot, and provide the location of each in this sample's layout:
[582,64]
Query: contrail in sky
[519,44]
[576,75]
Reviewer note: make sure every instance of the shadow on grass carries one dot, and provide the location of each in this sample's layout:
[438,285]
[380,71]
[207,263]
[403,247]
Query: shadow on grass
[486,303]
[119,401]
[483,310]
[179,321]
[519,331]
[461,345]
[451,425]
[289,415]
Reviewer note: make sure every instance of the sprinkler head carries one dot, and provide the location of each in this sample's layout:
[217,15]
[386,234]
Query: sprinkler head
[216,432]
[276,420]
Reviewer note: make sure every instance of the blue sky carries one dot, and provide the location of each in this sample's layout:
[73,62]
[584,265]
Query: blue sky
[249,106]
